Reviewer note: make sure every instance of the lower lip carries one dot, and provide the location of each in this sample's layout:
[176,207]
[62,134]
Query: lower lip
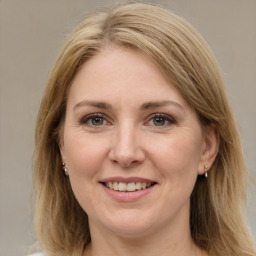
[128,196]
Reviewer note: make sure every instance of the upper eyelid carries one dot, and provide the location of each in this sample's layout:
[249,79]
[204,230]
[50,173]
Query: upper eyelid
[87,117]
[109,119]
[161,115]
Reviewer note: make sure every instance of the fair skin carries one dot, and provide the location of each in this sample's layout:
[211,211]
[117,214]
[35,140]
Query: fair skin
[134,148]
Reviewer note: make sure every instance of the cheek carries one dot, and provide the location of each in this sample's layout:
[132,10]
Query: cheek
[84,155]
[178,157]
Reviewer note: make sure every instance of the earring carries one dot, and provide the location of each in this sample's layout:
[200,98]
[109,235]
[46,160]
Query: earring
[205,171]
[65,169]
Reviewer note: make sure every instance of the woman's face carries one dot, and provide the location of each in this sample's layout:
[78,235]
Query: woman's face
[133,146]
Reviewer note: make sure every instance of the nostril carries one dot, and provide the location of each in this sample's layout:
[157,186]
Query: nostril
[126,164]
[127,158]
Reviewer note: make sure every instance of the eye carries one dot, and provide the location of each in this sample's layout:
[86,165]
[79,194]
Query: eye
[97,120]
[94,120]
[160,120]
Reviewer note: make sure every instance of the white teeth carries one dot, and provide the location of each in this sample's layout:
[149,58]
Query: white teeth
[122,186]
[110,185]
[138,185]
[115,185]
[132,186]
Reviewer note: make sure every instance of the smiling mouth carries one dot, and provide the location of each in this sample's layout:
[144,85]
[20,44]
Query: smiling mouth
[128,187]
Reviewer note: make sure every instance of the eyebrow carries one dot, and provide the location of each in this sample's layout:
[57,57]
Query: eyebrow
[144,106]
[91,103]
[156,104]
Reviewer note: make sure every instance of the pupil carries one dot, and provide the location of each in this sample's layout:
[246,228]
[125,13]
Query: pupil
[97,121]
[158,121]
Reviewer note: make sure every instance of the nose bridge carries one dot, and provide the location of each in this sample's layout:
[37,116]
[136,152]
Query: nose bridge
[126,149]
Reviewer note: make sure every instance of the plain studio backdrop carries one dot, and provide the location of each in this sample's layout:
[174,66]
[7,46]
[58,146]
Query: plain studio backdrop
[31,33]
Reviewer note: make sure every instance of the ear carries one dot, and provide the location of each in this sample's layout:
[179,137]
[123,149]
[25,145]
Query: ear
[210,148]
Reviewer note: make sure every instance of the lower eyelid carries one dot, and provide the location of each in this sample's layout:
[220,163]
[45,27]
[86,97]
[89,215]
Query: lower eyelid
[167,118]
[87,120]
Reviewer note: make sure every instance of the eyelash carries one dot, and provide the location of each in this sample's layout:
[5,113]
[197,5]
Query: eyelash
[166,117]
[86,119]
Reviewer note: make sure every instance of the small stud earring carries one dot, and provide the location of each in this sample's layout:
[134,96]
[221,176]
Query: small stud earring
[205,171]
[65,168]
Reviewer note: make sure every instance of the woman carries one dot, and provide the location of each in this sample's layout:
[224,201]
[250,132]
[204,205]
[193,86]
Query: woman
[137,152]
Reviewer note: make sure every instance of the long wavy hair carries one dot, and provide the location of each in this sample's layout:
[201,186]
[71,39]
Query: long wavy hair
[217,203]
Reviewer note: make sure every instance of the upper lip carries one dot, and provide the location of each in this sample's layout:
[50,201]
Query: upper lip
[127,179]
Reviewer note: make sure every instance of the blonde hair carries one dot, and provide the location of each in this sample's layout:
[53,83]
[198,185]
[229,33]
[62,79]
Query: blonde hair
[217,203]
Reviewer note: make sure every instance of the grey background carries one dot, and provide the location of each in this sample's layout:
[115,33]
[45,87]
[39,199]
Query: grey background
[32,31]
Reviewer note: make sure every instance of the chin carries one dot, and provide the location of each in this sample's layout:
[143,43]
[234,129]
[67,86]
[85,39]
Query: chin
[131,231]
[132,224]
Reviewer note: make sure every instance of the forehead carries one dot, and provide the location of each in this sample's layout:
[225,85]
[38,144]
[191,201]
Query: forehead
[122,72]
[113,62]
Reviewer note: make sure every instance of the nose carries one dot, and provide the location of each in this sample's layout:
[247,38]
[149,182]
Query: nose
[126,149]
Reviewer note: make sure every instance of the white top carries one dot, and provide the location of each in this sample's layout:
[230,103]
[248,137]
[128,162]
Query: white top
[36,254]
